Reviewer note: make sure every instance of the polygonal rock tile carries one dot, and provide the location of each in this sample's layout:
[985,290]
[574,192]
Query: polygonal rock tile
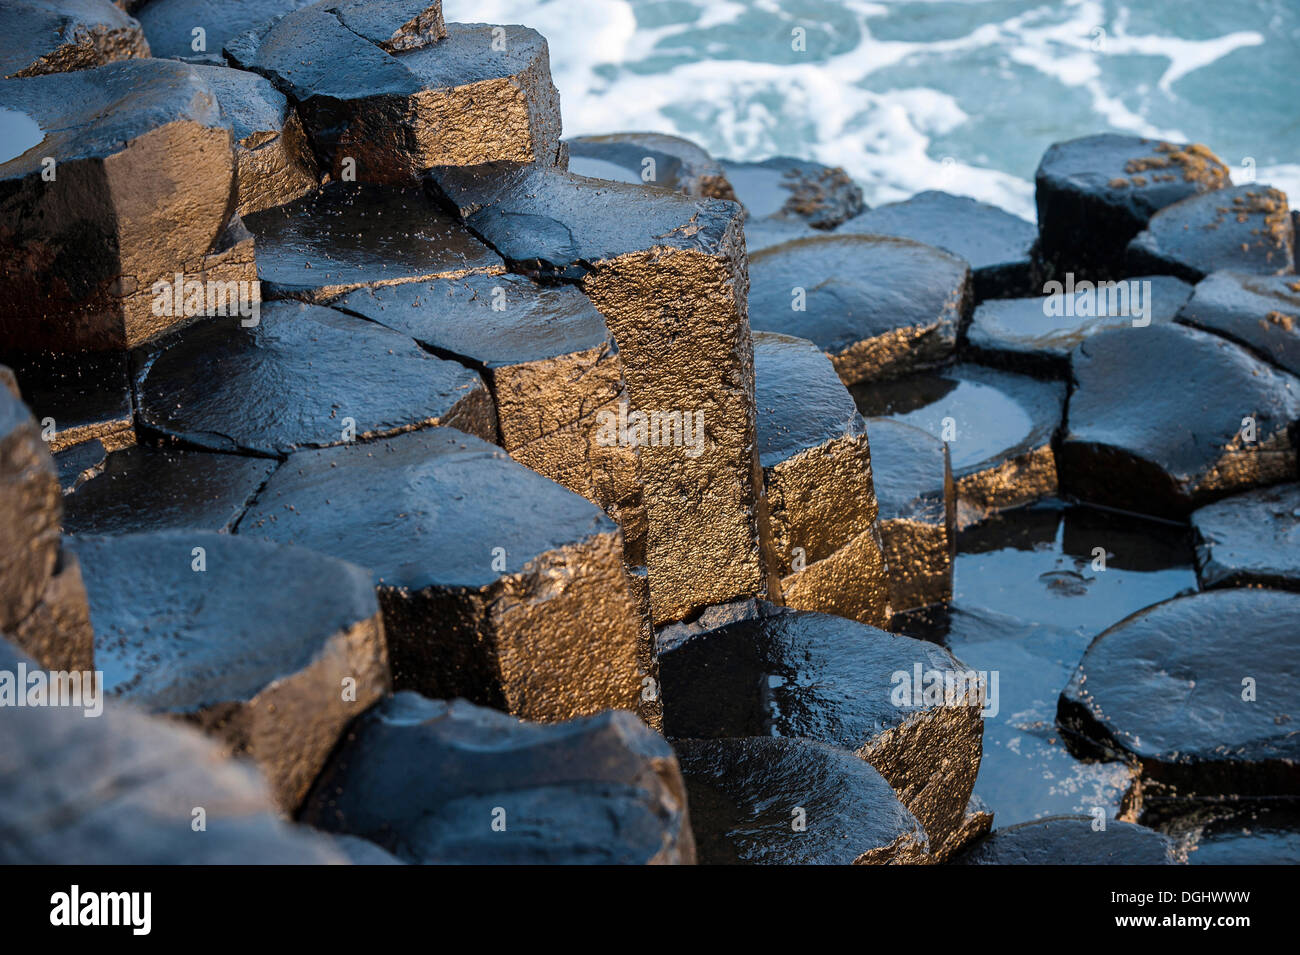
[650,159]
[1199,692]
[812,444]
[271,649]
[143,177]
[1242,229]
[274,159]
[413,95]
[1250,539]
[58,36]
[349,235]
[1165,419]
[434,781]
[765,801]
[1261,312]
[550,361]
[906,706]
[304,376]
[1096,193]
[668,274]
[170,25]
[797,190]
[154,489]
[998,427]
[1036,335]
[880,306]
[496,584]
[153,781]
[912,477]
[78,397]
[1071,840]
[997,244]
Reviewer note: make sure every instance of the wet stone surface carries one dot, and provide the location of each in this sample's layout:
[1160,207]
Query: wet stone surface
[145,488]
[303,376]
[678,164]
[757,670]
[997,244]
[746,796]
[1250,539]
[1036,335]
[1242,228]
[81,396]
[998,427]
[1198,692]
[1071,840]
[169,24]
[484,568]
[57,36]
[1096,193]
[1258,311]
[252,641]
[794,190]
[1158,421]
[441,782]
[349,235]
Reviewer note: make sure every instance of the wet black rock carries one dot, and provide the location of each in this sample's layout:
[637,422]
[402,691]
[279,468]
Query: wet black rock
[1258,311]
[271,649]
[1096,193]
[678,165]
[1250,539]
[415,94]
[1242,229]
[78,397]
[1250,832]
[752,669]
[144,179]
[549,360]
[766,801]
[998,427]
[154,489]
[1165,419]
[795,190]
[435,782]
[29,513]
[496,584]
[668,273]
[57,36]
[170,24]
[812,444]
[1036,335]
[80,463]
[274,159]
[153,782]
[349,235]
[303,376]
[880,306]
[912,477]
[1199,692]
[997,244]
[1071,840]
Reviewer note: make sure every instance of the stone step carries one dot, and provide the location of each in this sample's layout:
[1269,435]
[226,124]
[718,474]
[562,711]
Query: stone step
[649,159]
[1251,539]
[1071,840]
[1261,312]
[60,36]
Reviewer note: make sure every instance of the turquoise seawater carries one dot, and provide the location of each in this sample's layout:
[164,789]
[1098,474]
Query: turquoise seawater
[962,95]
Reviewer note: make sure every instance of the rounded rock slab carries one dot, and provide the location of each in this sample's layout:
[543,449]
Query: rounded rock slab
[1071,840]
[1250,539]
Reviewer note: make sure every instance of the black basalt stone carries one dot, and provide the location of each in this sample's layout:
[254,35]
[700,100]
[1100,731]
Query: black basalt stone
[303,376]
[85,395]
[1199,692]
[1258,311]
[1157,420]
[678,164]
[1242,229]
[795,190]
[442,782]
[169,24]
[1071,840]
[1250,539]
[56,36]
[766,801]
[997,244]
[154,489]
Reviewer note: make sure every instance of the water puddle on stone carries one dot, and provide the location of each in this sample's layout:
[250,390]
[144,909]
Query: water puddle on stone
[985,421]
[1027,601]
[18,133]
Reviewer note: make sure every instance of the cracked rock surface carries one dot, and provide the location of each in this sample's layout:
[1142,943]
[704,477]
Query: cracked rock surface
[1250,539]
[1261,312]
